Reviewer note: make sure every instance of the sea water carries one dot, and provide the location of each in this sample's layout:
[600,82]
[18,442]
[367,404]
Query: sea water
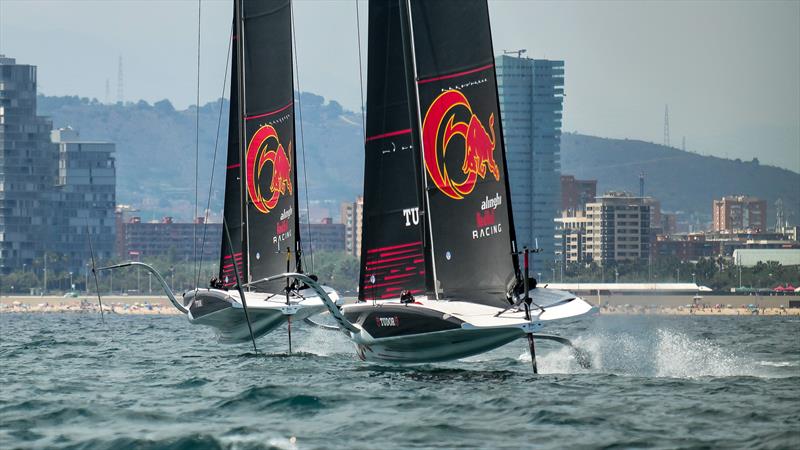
[69,381]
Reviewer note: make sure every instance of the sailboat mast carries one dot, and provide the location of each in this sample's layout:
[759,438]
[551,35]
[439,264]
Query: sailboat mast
[293,155]
[501,137]
[409,57]
[240,75]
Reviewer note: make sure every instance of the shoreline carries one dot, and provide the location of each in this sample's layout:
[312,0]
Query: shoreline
[609,305]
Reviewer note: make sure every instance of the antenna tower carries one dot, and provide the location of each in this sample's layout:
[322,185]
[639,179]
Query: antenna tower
[108,92]
[666,125]
[641,184]
[780,219]
[120,97]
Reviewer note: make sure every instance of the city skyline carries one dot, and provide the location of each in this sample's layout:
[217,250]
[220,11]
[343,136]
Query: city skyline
[618,86]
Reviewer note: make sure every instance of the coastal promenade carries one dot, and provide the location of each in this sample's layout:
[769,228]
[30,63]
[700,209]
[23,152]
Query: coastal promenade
[677,305]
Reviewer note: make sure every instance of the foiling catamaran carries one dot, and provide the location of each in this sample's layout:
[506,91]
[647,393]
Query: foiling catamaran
[440,276]
[261,284]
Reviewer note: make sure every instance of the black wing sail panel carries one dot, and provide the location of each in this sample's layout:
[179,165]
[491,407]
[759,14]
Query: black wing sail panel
[462,149]
[392,255]
[269,151]
[233,197]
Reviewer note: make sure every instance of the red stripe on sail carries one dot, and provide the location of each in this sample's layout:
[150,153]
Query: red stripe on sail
[384,266]
[269,113]
[399,252]
[390,134]
[394,277]
[399,258]
[458,74]
[392,247]
[234,166]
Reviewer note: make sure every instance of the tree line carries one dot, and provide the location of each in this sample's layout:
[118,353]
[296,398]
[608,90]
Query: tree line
[341,270]
[336,269]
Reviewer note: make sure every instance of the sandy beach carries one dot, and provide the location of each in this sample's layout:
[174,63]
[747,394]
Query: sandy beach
[88,304]
[672,305]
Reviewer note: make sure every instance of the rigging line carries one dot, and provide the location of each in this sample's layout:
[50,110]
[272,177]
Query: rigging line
[197,147]
[360,75]
[214,159]
[302,143]
[94,272]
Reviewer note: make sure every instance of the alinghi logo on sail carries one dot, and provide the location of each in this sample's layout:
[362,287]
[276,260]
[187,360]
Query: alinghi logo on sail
[491,203]
[485,223]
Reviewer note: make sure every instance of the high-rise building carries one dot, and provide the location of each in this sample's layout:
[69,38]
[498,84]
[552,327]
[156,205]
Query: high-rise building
[85,196]
[575,194]
[352,215]
[178,240]
[52,186]
[531,97]
[617,229]
[570,236]
[734,213]
[28,169]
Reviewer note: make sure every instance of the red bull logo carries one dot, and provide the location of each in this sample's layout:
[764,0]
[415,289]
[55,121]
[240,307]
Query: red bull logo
[265,147]
[478,145]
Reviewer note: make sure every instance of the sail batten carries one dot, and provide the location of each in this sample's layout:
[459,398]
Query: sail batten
[270,113]
[456,74]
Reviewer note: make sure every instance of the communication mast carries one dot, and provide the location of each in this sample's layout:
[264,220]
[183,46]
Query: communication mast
[666,125]
[641,184]
[120,97]
[780,219]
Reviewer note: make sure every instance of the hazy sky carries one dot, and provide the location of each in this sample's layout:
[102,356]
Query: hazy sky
[730,71]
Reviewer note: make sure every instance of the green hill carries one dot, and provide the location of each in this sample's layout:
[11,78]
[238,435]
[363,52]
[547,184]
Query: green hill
[683,181]
[156,151]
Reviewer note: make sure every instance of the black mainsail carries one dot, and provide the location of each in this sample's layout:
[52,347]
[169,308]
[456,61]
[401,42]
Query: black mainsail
[261,173]
[455,156]
[467,191]
[393,253]
[231,258]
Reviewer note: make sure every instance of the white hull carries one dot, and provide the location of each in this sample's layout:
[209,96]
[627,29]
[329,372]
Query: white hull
[223,311]
[436,346]
[433,330]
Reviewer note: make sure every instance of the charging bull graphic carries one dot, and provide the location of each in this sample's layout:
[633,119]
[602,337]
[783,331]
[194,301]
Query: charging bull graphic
[266,147]
[478,144]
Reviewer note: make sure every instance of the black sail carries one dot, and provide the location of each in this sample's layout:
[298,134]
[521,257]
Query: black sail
[393,253]
[462,149]
[232,257]
[269,160]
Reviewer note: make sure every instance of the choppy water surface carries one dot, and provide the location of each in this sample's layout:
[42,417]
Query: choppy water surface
[67,381]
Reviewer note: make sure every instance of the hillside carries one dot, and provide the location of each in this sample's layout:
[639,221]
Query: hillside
[683,181]
[156,148]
